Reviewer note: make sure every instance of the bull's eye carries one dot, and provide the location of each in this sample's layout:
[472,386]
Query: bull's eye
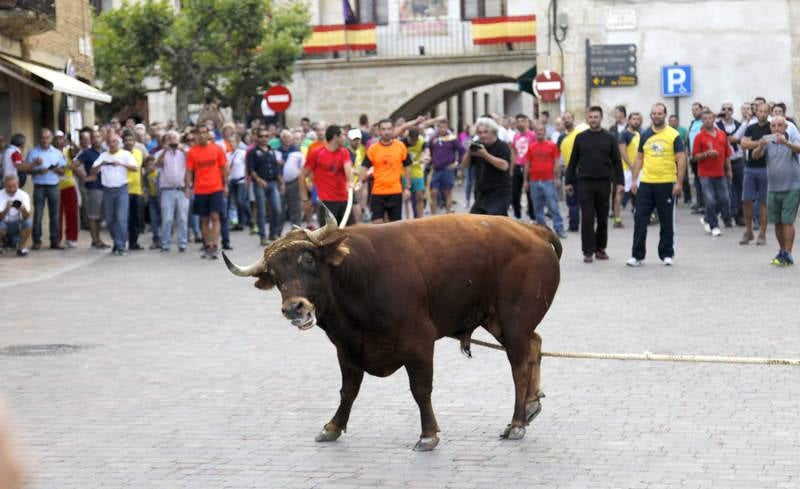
[308,259]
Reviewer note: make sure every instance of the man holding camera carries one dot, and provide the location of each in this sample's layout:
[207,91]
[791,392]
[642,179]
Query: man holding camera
[492,160]
[46,164]
[15,214]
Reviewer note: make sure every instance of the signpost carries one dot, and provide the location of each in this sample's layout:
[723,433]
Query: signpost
[676,82]
[278,98]
[548,86]
[610,65]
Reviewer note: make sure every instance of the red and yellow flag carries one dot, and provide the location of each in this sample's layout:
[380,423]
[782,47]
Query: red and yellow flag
[501,30]
[331,38]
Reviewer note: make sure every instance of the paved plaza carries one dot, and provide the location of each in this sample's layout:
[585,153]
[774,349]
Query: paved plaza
[191,378]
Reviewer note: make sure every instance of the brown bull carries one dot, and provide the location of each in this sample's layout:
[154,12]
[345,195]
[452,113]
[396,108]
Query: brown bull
[384,294]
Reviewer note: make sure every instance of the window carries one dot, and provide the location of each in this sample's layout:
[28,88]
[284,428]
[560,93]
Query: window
[372,11]
[476,9]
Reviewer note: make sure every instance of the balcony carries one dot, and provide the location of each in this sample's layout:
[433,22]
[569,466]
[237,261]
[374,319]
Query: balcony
[424,38]
[23,18]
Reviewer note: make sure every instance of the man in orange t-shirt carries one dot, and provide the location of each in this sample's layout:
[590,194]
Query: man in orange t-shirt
[207,168]
[389,159]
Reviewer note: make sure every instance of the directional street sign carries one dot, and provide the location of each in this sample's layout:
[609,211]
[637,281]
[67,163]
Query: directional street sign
[612,65]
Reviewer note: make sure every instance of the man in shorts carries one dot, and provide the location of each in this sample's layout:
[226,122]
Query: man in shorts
[419,154]
[446,152]
[783,182]
[91,143]
[207,169]
[389,158]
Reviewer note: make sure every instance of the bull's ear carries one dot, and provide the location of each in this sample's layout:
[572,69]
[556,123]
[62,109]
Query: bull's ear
[264,281]
[334,249]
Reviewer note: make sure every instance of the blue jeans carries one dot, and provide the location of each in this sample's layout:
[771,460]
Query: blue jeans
[224,228]
[154,211]
[271,195]
[194,220]
[574,205]
[544,193]
[717,198]
[469,181]
[115,206]
[52,194]
[174,207]
[239,198]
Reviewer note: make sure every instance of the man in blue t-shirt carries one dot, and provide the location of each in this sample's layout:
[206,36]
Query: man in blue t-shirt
[91,146]
[46,164]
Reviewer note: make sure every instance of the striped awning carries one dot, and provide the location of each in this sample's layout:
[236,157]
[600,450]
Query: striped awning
[501,30]
[331,38]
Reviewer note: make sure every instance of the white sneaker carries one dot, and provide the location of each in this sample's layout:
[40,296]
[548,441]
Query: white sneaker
[633,262]
[72,244]
[716,232]
[706,226]
[667,261]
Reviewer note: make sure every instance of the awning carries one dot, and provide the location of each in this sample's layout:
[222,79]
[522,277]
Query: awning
[58,81]
[525,81]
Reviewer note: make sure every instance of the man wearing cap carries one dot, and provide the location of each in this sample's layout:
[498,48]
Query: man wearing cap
[46,164]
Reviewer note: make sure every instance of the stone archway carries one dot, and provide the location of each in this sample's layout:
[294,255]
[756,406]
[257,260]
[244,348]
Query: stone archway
[425,100]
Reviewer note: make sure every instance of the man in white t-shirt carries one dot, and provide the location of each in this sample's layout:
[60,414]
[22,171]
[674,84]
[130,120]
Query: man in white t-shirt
[15,214]
[114,165]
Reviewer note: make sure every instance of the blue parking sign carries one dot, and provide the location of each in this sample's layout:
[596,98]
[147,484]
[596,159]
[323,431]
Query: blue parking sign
[676,81]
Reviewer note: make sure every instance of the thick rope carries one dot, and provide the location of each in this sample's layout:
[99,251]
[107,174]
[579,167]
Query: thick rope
[655,357]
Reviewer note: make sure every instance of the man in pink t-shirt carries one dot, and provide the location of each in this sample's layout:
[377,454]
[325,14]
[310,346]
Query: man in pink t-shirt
[519,149]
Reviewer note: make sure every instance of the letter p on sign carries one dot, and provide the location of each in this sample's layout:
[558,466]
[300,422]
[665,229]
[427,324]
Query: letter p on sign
[676,81]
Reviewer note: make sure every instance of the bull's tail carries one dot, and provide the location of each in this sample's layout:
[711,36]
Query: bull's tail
[550,236]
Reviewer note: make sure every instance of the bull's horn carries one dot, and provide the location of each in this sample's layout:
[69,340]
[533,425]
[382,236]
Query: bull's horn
[248,271]
[331,225]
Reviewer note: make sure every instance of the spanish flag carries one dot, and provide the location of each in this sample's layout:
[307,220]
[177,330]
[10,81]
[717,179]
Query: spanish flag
[501,30]
[331,38]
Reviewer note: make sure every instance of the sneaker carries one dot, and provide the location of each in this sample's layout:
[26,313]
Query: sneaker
[716,232]
[165,249]
[264,241]
[72,244]
[618,225]
[561,235]
[213,253]
[633,262]
[120,252]
[253,230]
[706,226]
[181,249]
[788,258]
[779,260]
[667,261]
[205,253]
[23,252]
[135,246]
[729,223]
[227,247]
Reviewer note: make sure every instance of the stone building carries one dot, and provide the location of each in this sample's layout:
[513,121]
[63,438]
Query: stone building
[46,66]
[738,49]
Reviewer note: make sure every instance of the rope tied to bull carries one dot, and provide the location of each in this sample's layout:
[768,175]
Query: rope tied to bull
[657,357]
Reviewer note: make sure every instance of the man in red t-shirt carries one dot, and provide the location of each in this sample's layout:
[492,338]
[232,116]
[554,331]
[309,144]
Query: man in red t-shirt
[331,170]
[713,155]
[207,169]
[543,178]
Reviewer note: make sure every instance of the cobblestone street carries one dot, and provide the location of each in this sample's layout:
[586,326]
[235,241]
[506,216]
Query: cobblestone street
[192,378]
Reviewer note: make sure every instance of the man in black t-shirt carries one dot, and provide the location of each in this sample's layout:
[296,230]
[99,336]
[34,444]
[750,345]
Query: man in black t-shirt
[754,186]
[492,160]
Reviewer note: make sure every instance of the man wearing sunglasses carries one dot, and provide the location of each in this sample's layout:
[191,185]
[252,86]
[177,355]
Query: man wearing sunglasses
[734,131]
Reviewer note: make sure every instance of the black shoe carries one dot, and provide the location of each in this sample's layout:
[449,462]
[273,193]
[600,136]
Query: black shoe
[237,227]
[227,247]
[135,246]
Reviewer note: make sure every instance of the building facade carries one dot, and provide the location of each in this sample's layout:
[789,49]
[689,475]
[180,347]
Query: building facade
[46,66]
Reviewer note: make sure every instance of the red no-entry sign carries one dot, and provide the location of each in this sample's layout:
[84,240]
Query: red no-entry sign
[548,86]
[278,98]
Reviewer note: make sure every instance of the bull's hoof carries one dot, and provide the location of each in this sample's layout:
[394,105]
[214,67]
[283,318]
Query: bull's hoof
[327,435]
[532,410]
[513,433]
[426,444]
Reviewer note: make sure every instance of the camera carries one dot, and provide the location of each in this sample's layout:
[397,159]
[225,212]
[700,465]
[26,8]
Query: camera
[16,204]
[475,146]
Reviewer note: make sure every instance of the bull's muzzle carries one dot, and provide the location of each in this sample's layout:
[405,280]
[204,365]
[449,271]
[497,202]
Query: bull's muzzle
[300,312]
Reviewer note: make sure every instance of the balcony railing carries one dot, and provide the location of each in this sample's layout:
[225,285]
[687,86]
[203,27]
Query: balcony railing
[23,18]
[432,38]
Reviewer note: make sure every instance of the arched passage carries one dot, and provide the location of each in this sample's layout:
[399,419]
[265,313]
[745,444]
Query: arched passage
[429,98]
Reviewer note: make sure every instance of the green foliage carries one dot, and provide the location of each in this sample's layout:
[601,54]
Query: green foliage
[230,49]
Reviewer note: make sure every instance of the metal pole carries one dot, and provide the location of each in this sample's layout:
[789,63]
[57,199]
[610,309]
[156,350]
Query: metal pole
[588,75]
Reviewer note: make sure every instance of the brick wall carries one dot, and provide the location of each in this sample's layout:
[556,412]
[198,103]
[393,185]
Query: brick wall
[73,21]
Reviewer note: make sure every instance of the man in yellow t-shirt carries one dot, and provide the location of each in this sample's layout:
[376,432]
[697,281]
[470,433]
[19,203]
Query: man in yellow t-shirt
[417,152]
[565,145]
[136,206]
[628,149]
[661,160]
